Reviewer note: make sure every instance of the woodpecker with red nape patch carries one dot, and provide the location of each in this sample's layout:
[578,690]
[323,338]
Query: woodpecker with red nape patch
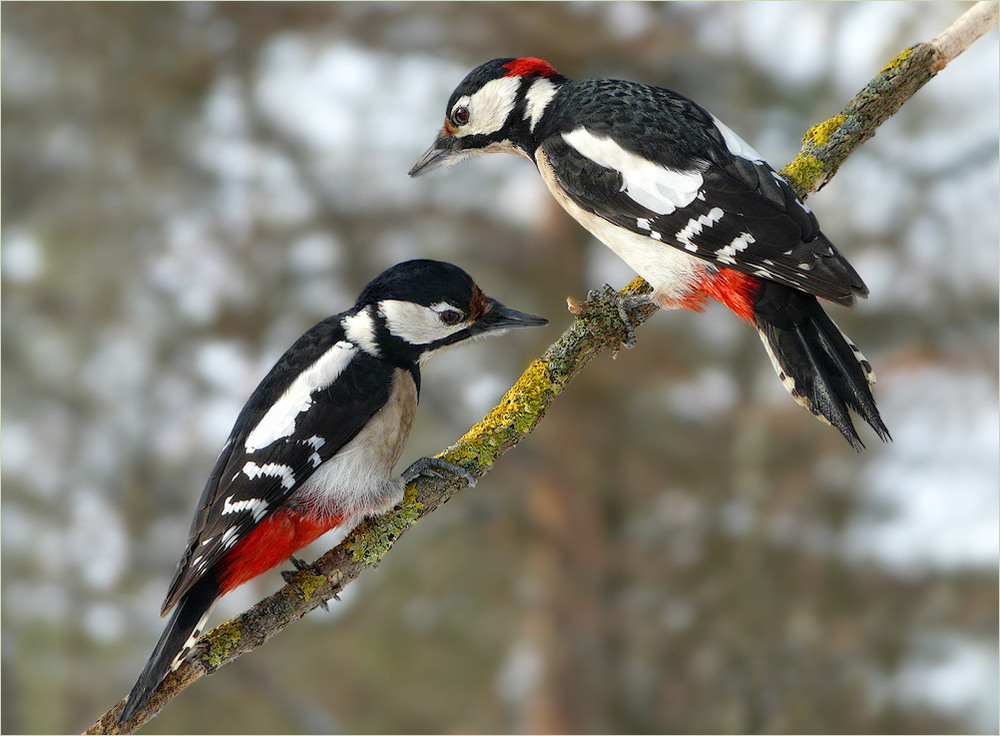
[687,203]
[314,447]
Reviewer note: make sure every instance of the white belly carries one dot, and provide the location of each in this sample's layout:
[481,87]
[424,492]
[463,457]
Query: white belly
[358,480]
[670,271]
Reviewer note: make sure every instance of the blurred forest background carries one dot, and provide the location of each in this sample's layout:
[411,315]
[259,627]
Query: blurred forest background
[678,548]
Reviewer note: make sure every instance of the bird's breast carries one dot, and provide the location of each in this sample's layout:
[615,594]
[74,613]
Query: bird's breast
[671,272]
[358,480]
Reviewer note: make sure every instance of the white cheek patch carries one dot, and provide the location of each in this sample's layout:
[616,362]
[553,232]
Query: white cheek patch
[736,145]
[651,185]
[490,106]
[279,421]
[416,324]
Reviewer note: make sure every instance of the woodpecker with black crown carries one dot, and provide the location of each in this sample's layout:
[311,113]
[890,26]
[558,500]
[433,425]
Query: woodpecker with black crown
[313,448]
[688,204]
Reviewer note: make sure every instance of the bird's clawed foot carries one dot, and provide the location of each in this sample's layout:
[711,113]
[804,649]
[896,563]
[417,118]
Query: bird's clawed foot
[289,577]
[627,306]
[436,467]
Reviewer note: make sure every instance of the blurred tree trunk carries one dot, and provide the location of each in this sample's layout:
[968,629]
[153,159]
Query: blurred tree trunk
[721,613]
[566,614]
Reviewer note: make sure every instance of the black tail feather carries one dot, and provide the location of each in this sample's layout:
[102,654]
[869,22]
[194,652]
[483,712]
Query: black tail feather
[818,365]
[177,638]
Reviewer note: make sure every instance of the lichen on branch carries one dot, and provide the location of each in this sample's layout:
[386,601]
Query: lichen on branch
[595,330]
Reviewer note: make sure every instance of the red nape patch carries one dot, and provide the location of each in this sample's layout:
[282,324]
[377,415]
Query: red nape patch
[275,539]
[734,289]
[528,67]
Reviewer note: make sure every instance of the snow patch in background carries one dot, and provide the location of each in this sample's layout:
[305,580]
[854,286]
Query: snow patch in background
[932,492]
[520,672]
[360,113]
[933,497]
[21,258]
[957,674]
[705,397]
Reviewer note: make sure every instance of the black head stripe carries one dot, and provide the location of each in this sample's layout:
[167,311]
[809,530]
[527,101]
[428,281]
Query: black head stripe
[478,77]
[420,281]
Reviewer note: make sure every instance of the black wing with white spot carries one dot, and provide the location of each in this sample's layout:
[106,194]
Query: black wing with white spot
[659,165]
[298,417]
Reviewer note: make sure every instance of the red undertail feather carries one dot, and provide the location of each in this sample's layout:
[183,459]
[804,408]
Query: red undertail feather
[528,67]
[277,538]
[734,289]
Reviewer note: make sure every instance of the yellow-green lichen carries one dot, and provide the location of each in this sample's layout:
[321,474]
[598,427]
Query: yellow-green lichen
[804,170]
[608,319]
[515,415]
[901,57]
[637,285]
[222,641]
[373,538]
[819,135]
[307,584]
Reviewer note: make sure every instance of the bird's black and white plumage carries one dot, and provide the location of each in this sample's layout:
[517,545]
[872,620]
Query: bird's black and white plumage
[688,204]
[314,447]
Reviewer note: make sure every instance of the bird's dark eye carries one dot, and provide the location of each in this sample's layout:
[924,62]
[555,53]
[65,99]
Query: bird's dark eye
[460,116]
[451,317]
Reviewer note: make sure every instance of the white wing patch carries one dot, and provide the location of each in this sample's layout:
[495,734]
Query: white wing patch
[651,185]
[279,421]
[228,538]
[696,225]
[671,272]
[285,472]
[256,506]
[315,442]
[736,145]
[740,243]
[357,481]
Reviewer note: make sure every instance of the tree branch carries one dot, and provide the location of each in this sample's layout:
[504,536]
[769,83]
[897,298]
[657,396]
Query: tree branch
[825,146]
[596,329]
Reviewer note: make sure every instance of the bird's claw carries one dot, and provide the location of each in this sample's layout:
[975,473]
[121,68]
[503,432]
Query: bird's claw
[626,306]
[289,577]
[433,467]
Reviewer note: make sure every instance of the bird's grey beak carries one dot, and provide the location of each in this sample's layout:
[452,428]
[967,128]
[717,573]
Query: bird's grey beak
[442,153]
[501,317]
